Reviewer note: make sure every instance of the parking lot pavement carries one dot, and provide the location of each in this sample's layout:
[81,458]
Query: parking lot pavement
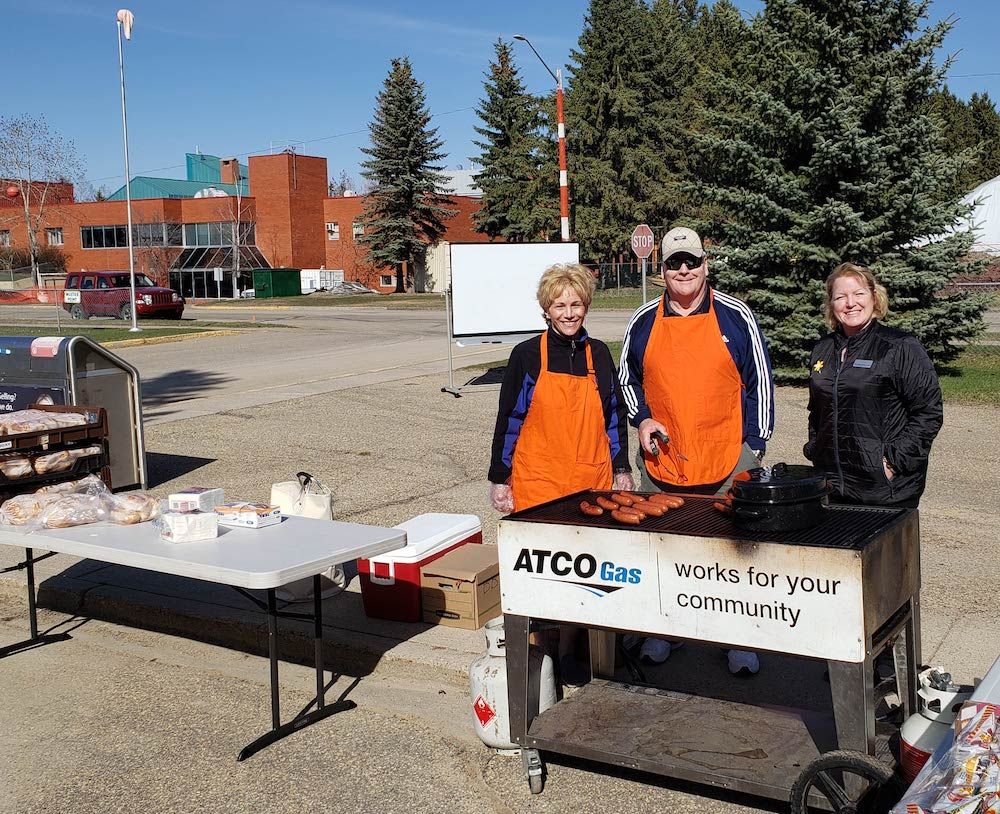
[98,724]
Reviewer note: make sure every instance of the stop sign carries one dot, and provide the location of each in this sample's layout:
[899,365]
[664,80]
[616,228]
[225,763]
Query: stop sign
[642,241]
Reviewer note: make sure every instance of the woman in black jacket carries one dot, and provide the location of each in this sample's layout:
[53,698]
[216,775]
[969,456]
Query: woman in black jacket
[874,398]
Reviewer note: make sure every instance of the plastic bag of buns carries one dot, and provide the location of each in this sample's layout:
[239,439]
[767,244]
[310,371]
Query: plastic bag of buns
[70,510]
[20,509]
[135,507]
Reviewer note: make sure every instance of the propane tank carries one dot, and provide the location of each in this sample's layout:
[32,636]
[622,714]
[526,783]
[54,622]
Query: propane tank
[488,682]
[939,702]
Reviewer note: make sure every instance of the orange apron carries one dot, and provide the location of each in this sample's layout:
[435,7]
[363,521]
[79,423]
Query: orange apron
[563,446]
[693,388]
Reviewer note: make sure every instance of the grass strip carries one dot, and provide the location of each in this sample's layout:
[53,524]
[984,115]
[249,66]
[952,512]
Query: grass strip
[99,335]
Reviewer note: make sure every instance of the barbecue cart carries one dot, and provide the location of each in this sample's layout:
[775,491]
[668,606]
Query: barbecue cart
[841,591]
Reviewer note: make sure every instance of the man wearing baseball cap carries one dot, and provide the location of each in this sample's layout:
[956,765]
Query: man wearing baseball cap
[696,379]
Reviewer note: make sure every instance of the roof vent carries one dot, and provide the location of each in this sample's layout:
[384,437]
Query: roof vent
[210,192]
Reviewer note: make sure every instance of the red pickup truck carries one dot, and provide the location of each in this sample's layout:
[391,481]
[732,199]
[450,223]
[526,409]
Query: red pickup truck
[108,294]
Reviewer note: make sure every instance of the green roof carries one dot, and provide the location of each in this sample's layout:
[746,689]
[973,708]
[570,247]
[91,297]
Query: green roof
[147,187]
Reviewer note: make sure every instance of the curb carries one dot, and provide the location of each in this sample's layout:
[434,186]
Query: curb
[237,306]
[163,340]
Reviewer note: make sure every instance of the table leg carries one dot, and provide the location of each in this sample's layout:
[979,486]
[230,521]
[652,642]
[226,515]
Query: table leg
[272,655]
[34,640]
[29,564]
[323,710]
[318,636]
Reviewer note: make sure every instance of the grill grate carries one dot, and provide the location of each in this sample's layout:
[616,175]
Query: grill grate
[843,527]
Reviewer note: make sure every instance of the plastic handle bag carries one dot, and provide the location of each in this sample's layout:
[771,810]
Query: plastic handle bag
[304,497]
[307,497]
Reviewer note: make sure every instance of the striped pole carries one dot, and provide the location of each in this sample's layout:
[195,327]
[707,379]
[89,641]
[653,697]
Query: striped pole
[563,175]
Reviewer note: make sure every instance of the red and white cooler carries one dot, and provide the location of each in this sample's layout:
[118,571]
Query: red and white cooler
[390,583]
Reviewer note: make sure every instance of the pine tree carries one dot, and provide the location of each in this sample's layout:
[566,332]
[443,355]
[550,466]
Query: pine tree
[407,205]
[954,117]
[972,133]
[986,120]
[620,124]
[520,201]
[835,158]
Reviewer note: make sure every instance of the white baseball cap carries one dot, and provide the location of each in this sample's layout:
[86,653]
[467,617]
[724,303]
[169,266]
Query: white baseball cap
[681,239]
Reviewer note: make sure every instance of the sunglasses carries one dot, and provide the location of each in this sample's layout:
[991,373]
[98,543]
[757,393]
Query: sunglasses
[674,262]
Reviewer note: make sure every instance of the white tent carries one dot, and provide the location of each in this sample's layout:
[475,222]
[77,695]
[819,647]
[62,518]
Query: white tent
[985,219]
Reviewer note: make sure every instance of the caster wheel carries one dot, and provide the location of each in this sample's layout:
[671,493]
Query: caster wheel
[533,770]
[851,782]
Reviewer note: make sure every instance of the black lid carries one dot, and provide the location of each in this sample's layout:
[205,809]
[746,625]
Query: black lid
[779,483]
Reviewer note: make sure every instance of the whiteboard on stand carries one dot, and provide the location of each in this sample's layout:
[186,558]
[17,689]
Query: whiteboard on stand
[494,288]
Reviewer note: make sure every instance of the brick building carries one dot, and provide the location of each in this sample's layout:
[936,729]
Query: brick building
[184,229]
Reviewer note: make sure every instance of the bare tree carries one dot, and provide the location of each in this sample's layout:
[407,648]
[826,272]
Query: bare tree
[40,163]
[153,254]
[344,183]
[233,210]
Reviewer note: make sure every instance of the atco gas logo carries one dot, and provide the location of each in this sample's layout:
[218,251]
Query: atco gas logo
[599,579]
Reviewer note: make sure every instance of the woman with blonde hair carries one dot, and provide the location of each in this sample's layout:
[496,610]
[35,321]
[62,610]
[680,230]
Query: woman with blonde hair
[874,398]
[561,423]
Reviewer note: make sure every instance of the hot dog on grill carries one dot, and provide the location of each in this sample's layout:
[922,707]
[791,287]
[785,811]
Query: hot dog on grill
[604,503]
[648,507]
[593,511]
[622,500]
[627,518]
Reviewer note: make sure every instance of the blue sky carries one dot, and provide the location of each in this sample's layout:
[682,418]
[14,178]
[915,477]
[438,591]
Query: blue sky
[232,78]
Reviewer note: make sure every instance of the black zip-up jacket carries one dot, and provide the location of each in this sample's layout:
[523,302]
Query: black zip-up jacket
[882,401]
[565,356]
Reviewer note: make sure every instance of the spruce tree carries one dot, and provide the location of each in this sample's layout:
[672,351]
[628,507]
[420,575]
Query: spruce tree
[831,156]
[520,202]
[620,124]
[407,205]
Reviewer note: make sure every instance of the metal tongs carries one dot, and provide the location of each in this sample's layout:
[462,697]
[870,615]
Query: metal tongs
[665,439]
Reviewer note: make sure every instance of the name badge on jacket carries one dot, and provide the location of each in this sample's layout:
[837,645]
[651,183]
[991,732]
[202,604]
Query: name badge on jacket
[863,362]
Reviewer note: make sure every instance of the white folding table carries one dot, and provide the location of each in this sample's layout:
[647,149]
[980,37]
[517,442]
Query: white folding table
[261,559]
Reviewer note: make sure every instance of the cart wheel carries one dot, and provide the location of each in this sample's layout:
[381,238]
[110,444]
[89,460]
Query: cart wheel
[871,791]
[533,771]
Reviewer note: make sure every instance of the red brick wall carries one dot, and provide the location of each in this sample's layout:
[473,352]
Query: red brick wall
[290,190]
[352,257]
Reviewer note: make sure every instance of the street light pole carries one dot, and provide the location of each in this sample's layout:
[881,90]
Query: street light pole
[125,19]
[561,123]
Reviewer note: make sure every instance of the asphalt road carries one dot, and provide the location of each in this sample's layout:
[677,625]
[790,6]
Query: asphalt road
[319,350]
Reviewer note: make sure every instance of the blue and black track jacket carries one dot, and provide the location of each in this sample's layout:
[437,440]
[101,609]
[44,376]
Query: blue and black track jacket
[746,344]
[565,356]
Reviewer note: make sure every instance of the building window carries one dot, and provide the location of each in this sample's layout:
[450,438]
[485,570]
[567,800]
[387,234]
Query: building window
[217,233]
[104,237]
[4,237]
[386,280]
[54,236]
[333,231]
[358,230]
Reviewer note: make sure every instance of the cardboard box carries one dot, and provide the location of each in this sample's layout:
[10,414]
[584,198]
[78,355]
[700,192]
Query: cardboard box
[196,499]
[247,515]
[462,588]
